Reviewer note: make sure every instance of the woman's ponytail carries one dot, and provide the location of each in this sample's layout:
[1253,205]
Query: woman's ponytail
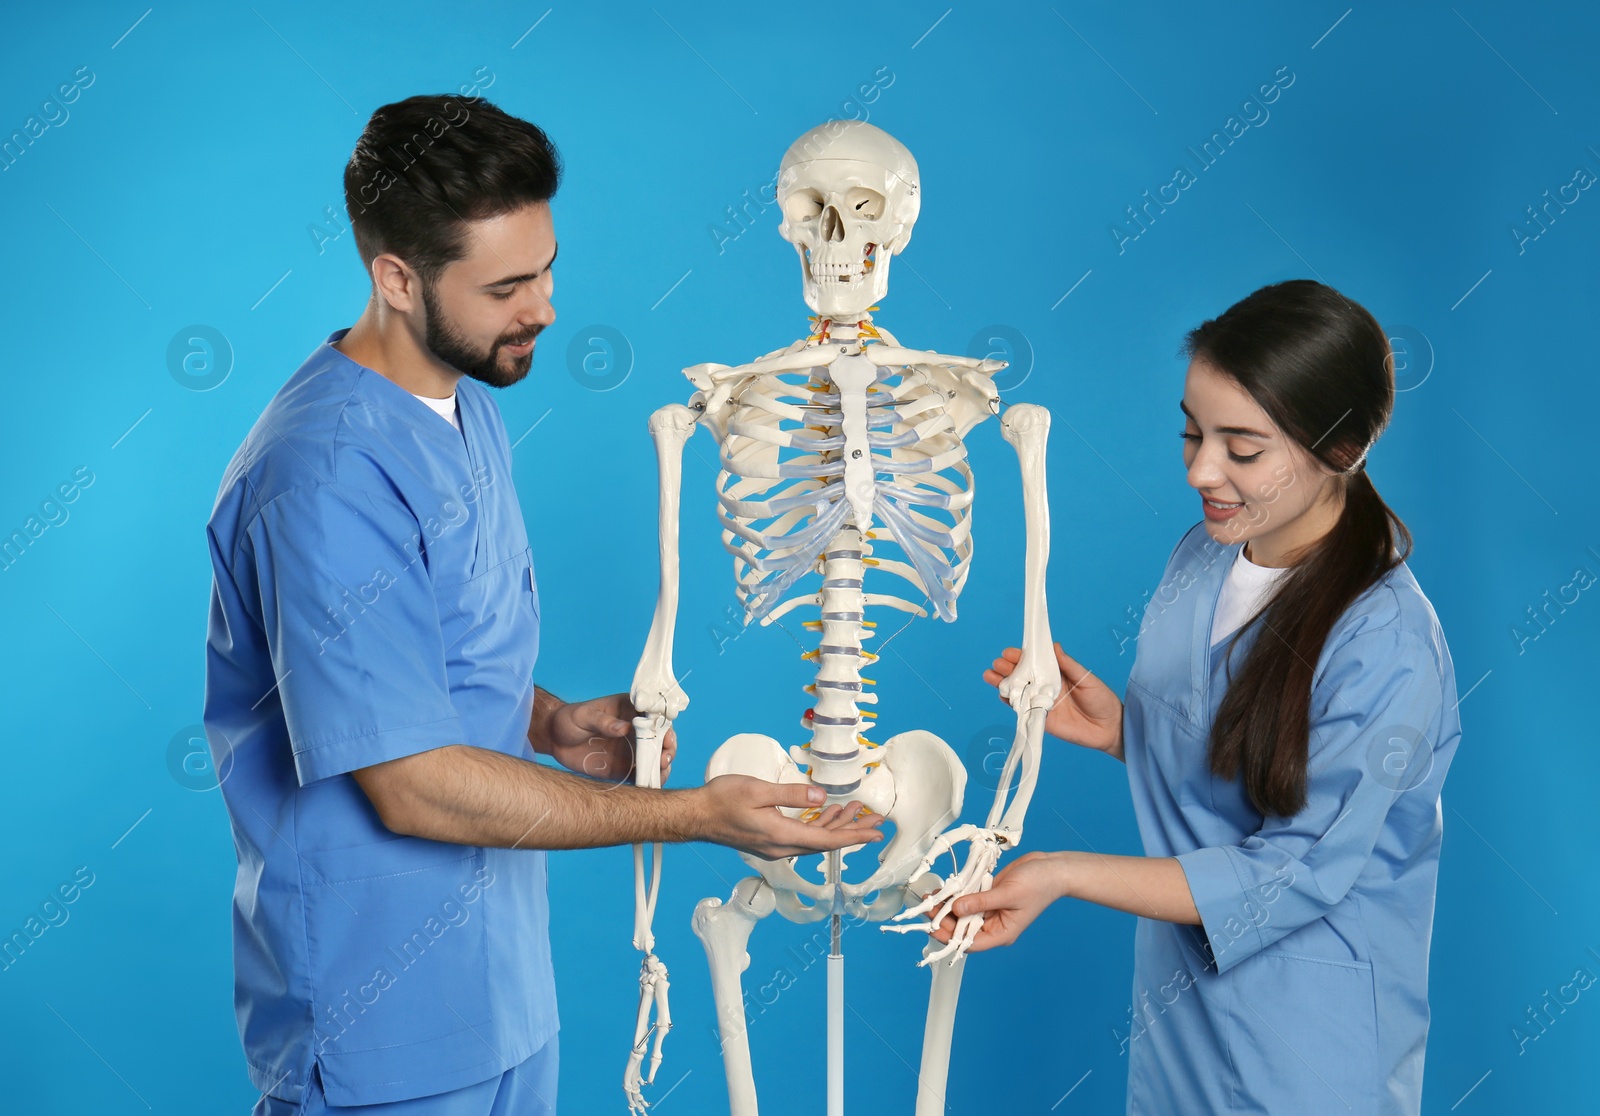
[1316,363]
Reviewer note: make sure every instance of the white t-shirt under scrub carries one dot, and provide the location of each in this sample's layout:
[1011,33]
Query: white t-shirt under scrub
[445,408]
[1246,587]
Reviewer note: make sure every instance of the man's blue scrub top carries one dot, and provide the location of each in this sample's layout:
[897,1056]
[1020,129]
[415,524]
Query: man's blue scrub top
[1306,989]
[374,597]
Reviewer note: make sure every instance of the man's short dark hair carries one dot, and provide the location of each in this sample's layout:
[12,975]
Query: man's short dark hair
[426,165]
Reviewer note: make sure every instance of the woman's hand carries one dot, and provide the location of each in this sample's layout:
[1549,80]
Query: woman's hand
[1086,713]
[1020,893]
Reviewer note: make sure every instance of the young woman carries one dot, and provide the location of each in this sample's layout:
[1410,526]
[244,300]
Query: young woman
[1289,719]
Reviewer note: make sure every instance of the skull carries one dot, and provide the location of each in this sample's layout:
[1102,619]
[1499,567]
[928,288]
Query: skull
[849,195]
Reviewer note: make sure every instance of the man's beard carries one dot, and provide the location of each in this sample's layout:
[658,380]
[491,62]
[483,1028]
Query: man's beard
[449,346]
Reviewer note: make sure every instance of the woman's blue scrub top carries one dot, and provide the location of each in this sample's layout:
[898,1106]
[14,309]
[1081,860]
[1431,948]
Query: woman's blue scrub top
[373,597]
[1305,990]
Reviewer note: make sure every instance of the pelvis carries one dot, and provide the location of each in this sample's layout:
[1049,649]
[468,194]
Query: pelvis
[916,781]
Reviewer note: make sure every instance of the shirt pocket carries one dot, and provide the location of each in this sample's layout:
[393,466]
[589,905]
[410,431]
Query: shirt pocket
[531,579]
[1160,736]
[1304,1035]
[497,603]
[490,626]
[396,942]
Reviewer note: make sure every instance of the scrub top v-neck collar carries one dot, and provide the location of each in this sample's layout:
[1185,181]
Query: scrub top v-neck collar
[1202,652]
[416,408]
[1206,657]
[470,444]
[421,416]
[446,408]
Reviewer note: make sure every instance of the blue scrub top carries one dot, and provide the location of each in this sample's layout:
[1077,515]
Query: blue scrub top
[373,597]
[1305,990]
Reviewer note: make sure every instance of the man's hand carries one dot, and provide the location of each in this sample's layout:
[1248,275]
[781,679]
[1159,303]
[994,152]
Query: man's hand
[742,812]
[594,737]
[475,796]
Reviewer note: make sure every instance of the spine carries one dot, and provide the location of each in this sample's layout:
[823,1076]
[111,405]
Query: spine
[837,754]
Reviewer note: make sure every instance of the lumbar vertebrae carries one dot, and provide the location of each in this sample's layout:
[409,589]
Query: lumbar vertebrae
[843,454]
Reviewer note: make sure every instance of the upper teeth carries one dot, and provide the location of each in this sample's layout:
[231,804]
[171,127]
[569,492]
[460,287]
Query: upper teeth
[837,272]
[1214,504]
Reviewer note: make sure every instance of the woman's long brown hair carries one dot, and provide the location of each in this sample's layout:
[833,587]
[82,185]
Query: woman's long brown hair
[1320,366]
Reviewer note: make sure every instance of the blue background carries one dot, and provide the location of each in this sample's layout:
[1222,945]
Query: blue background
[186,186]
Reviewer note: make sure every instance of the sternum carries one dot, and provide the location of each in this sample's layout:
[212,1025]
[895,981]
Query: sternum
[835,754]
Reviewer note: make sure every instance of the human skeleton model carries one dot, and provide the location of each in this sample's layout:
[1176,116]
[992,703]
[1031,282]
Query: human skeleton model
[836,447]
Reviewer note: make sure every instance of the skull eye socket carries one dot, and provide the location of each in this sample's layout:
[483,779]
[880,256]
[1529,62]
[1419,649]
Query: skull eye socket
[803,205]
[864,203]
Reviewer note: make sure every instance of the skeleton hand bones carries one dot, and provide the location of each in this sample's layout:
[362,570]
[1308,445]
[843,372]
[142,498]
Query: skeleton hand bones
[973,877]
[652,994]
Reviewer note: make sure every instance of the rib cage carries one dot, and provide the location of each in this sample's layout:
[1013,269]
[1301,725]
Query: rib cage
[781,491]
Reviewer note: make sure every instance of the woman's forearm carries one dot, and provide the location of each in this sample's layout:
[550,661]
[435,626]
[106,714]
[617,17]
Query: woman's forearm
[1149,886]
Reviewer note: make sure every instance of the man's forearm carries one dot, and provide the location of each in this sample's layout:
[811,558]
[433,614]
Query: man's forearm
[473,796]
[544,704]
